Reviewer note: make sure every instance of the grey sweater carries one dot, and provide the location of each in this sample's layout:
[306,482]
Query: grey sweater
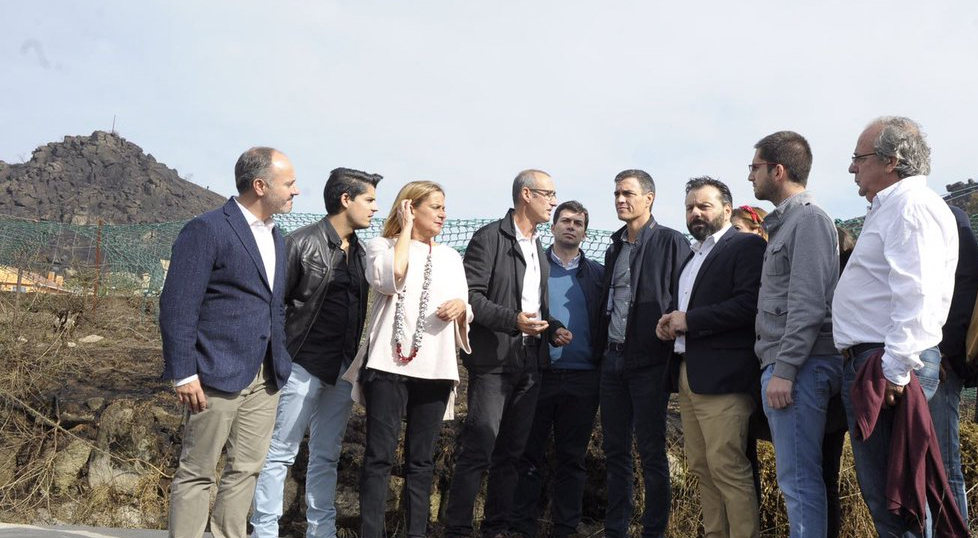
[801,269]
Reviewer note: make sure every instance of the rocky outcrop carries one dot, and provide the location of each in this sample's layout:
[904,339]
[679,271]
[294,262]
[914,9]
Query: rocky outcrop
[85,178]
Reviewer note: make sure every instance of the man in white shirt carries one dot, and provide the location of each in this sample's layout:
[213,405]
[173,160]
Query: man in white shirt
[896,290]
[507,275]
[713,367]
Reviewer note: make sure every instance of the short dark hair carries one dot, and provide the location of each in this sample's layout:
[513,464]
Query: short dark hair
[526,178]
[346,181]
[643,178]
[790,150]
[707,181]
[254,163]
[574,207]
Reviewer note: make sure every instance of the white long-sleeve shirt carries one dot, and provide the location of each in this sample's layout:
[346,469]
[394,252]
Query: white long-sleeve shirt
[897,287]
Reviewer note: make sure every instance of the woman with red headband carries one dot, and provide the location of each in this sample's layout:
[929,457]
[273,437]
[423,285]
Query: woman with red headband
[749,219]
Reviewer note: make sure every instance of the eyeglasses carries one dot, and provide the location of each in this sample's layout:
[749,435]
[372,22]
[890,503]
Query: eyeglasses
[753,167]
[861,157]
[550,195]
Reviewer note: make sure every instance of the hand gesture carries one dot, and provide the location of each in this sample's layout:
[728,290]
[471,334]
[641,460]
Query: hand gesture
[405,214]
[562,337]
[450,310]
[527,323]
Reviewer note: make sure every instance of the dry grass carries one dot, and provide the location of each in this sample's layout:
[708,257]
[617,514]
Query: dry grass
[48,390]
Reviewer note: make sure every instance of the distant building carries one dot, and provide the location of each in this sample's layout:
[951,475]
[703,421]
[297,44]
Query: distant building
[30,282]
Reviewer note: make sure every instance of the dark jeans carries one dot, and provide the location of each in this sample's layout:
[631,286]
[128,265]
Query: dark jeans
[635,398]
[388,398]
[567,405]
[832,442]
[501,407]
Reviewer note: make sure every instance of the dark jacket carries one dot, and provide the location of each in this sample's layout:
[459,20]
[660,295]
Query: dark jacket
[590,274]
[219,317]
[914,471]
[962,301]
[311,253]
[494,270]
[655,268]
[720,316]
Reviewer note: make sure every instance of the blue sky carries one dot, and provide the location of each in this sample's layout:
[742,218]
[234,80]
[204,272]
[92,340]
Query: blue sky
[469,93]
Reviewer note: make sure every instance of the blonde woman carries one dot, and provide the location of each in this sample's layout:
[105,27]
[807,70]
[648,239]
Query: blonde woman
[409,369]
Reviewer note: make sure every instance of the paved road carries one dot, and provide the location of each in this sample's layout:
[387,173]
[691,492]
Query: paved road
[10,530]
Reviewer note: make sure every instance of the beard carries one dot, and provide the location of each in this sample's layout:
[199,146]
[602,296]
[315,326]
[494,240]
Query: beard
[702,228]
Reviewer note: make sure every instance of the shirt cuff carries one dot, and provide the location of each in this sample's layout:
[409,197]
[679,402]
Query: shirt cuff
[184,381]
[895,371]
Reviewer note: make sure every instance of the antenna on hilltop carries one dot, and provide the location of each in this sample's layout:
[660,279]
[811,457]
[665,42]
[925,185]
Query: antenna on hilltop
[113,125]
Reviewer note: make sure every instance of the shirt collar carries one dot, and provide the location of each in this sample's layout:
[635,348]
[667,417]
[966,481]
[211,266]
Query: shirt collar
[711,240]
[896,188]
[519,233]
[253,220]
[575,261]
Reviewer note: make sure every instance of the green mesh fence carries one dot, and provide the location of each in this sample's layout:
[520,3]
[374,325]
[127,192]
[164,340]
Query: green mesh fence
[132,258]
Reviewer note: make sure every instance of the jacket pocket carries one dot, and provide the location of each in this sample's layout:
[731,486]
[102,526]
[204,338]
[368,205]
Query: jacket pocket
[776,260]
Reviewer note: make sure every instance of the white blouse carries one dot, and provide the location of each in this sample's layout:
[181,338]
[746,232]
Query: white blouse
[437,358]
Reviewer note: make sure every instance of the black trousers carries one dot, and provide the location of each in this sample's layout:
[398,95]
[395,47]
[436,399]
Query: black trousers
[567,405]
[389,397]
[501,407]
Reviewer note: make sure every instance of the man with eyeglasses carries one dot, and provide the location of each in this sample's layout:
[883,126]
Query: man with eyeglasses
[507,276]
[892,301]
[800,366]
[642,266]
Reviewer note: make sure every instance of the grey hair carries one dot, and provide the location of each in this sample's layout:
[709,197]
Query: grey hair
[525,179]
[902,139]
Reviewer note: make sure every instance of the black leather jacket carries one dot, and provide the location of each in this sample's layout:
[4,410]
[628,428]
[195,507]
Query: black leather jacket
[310,253]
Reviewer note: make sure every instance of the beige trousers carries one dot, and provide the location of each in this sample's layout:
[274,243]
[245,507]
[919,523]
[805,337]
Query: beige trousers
[242,422]
[715,439]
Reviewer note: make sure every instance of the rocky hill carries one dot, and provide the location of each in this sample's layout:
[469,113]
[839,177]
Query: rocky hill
[105,176]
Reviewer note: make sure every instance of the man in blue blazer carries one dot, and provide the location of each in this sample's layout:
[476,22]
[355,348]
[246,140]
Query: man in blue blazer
[713,367]
[222,321]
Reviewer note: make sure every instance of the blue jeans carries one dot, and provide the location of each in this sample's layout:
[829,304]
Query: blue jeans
[872,454]
[945,412]
[305,401]
[797,432]
[634,398]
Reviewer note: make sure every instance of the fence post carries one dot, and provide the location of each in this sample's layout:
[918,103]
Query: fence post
[98,264]
[17,292]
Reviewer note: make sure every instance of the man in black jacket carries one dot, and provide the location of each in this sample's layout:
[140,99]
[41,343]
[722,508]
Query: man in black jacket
[955,372]
[568,398]
[507,276]
[641,269]
[713,367]
[326,304]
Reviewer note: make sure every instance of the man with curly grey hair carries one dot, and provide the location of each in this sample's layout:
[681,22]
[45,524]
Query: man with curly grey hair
[887,314]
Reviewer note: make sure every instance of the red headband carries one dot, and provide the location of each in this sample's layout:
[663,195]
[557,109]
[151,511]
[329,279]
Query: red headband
[754,217]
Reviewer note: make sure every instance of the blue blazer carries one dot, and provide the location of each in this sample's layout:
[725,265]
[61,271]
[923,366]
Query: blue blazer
[219,318]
